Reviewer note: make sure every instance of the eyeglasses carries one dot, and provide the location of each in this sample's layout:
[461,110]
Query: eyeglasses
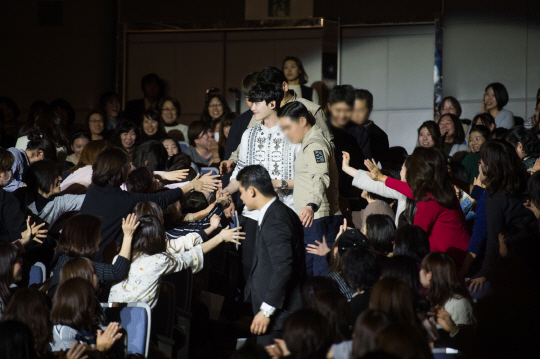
[215,104]
[169,109]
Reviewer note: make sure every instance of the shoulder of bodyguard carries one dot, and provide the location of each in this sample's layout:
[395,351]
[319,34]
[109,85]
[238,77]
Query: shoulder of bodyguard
[316,139]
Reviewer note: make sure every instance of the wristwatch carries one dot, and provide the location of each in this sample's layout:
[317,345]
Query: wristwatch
[313,206]
[284,184]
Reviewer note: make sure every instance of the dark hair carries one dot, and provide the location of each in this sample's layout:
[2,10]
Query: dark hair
[149,237]
[361,267]
[428,177]
[459,133]
[250,351]
[307,334]
[66,106]
[80,236]
[362,94]
[314,286]
[74,304]
[295,110]
[434,131]
[8,257]
[175,103]
[486,119]
[459,171]
[205,115]
[46,125]
[124,127]
[534,189]
[111,167]
[31,307]
[342,93]
[411,241]
[90,153]
[195,129]
[267,92]
[394,341]
[194,202]
[445,283]
[139,180]
[6,160]
[40,143]
[350,239]
[248,81]
[151,154]
[499,133]
[41,175]
[153,115]
[76,136]
[152,77]
[106,97]
[380,229]
[90,114]
[406,269]
[303,77]
[148,208]
[518,238]
[481,129]
[504,170]
[36,108]
[501,95]
[530,143]
[366,329]
[258,177]
[226,120]
[454,103]
[397,155]
[79,267]
[16,340]
[11,104]
[273,75]
[334,307]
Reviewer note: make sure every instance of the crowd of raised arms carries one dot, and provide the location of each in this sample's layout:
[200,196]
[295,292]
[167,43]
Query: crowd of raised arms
[322,240]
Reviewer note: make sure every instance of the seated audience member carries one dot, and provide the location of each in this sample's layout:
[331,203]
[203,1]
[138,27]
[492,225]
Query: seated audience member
[42,194]
[172,147]
[411,241]
[95,126]
[80,238]
[16,340]
[499,133]
[378,139]
[361,267]
[429,135]
[72,315]
[36,108]
[151,154]
[200,137]
[532,122]
[460,179]
[453,134]
[170,111]
[484,119]
[47,125]
[477,137]
[76,144]
[366,329]
[315,286]
[438,211]
[126,136]
[153,88]
[158,256]
[380,230]
[10,272]
[79,267]
[376,205]
[110,106]
[506,184]
[38,149]
[297,78]
[307,335]
[153,128]
[215,108]
[66,113]
[32,308]
[334,307]
[439,276]
[82,172]
[224,130]
[495,98]
[450,105]
[107,200]
[526,144]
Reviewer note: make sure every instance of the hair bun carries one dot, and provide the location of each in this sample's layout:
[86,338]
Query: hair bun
[35,136]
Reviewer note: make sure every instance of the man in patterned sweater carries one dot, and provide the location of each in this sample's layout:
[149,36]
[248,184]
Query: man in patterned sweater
[265,145]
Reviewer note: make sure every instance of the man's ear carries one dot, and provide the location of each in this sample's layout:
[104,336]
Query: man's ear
[285,86]
[273,104]
[251,191]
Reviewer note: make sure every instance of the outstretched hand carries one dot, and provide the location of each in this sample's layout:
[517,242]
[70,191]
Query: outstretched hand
[232,235]
[207,183]
[319,248]
[33,232]
[374,171]
[176,176]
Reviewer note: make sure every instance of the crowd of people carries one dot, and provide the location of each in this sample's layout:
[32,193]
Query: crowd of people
[331,242]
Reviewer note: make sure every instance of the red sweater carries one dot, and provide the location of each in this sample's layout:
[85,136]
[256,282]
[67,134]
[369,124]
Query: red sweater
[446,228]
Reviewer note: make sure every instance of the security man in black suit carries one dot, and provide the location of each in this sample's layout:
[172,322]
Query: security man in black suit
[278,272]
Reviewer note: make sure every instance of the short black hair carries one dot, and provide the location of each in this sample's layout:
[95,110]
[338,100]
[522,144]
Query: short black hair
[124,127]
[105,97]
[481,129]
[139,180]
[248,81]
[411,241]
[501,95]
[273,75]
[530,143]
[258,177]
[267,92]
[295,110]
[41,176]
[459,171]
[66,106]
[194,202]
[361,94]
[380,229]
[154,152]
[342,93]
[152,77]
[499,133]
[361,267]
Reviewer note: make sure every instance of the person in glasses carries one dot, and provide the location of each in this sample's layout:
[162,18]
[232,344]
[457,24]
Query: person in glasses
[95,125]
[170,111]
[215,108]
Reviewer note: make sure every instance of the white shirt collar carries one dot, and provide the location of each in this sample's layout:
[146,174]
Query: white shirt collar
[262,211]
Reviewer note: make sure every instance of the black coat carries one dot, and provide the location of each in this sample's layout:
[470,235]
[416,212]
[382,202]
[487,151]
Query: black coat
[12,219]
[279,267]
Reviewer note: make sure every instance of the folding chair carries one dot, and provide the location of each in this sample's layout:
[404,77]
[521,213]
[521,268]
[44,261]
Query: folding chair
[37,273]
[183,145]
[211,170]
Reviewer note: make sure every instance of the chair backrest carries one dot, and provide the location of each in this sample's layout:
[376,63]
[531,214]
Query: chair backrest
[443,353]
[135,318]
[183,145]
[183,284]
[211,170]
[164,312]
[37,273]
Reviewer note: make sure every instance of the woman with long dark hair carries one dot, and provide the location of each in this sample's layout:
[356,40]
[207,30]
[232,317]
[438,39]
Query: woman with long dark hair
[438,211]
[429,135]
[526,144]
[126,136]
[506,184]
[215,108]
[297,79]
[10,272]
[48,125]
[453,134]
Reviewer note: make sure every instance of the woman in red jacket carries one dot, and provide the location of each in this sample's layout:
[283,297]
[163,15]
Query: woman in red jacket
[438,211]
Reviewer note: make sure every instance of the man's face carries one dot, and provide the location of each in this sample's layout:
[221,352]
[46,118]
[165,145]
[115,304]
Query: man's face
[341,113]
[262,110]
[292,129]
[246,195]
[360,112]
[151,89]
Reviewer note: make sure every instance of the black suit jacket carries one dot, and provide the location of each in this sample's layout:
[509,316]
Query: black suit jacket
[279,267]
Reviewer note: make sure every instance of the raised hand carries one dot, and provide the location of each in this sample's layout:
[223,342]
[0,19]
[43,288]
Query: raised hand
[374,171]
[105,339]
[33,232]
[232,235]
[130,224]
[177,176]
[226,167]
[215,221]
[318,249]
[207,183]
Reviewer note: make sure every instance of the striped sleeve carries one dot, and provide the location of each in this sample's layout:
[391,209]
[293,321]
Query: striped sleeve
[113,272]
